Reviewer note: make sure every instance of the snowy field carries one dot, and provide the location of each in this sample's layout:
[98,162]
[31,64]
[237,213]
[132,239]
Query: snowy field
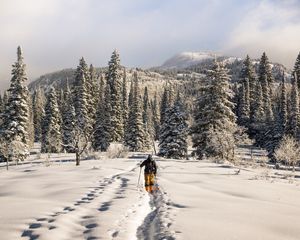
[101,200]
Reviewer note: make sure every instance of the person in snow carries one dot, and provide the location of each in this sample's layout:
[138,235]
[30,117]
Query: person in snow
[150,173]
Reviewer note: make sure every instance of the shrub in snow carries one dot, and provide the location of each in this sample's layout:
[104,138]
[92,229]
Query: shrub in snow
[17,150]
[288,151]
[117,150]
[220,144]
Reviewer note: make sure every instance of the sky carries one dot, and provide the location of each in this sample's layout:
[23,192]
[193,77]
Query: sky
[54,34]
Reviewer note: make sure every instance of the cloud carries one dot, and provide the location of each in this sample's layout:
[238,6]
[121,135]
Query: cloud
[54,34]
[272,26]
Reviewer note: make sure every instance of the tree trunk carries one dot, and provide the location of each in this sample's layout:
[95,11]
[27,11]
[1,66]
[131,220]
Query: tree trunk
[77,159]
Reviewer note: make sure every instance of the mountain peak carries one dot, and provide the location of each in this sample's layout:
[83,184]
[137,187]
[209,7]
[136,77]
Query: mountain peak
[187,59]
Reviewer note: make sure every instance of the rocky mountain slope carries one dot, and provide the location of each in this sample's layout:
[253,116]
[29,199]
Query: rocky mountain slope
[183,66]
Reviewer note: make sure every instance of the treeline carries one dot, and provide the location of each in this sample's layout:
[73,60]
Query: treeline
[269,110]
[98,109]
[94,112]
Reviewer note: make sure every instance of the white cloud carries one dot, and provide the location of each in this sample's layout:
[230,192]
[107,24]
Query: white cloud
[54,34]
[274,27]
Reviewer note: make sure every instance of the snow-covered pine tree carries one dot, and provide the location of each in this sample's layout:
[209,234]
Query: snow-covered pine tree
[164,105]
[30,125]
[267,102]
[1,104]
[265,71]
[38,112]
[4,104]
[276,132]
[248,72]
[5,98]
[124,98]
[171,95]
[130,96]
[258,116]
[297,69]
[51,134]
[16,115]
[147,120]
[68,121]
[244,104]
[214,117]
[80,94]
[283,107]
[145,105]
[174,131]
[155,117]
[61,99]
[114,79]
[294,122]
[2,107]
[92,89]
[102,129]
[134,132]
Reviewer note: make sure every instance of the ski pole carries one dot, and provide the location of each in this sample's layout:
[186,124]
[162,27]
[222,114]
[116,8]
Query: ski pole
[139,177]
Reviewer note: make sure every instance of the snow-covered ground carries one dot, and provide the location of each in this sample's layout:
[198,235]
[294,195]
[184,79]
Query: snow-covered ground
[101,200]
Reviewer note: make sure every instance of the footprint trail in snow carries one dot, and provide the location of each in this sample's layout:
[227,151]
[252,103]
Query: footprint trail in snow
[112,209]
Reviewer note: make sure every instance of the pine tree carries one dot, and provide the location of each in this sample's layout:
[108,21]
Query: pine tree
[258,116]
[5,98]
[16,114]
[51,134]
[244,104]
[38,112]
[134,132]
[248,74]
[2,111]
[265,69]
[164,105]
[269,117]
[30,124]
[1,104]
[61,99]
[81,97]
[2,107]
[294,115]
[124,99]
[173,139]
[155,117]
[283,106]
[114,79]
[277,131]
[214,122]
[103,129]
[92,89]
[130,96]
[68,121]
[147,120]
[145,106]
[296,69]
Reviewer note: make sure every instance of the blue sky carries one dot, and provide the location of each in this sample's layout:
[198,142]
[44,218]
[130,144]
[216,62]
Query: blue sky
[54,34]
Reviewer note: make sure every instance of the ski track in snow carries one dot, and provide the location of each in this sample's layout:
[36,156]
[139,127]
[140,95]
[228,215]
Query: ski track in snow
[157,223]
[149,217]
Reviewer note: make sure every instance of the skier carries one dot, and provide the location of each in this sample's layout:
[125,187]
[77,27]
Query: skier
[150,173]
